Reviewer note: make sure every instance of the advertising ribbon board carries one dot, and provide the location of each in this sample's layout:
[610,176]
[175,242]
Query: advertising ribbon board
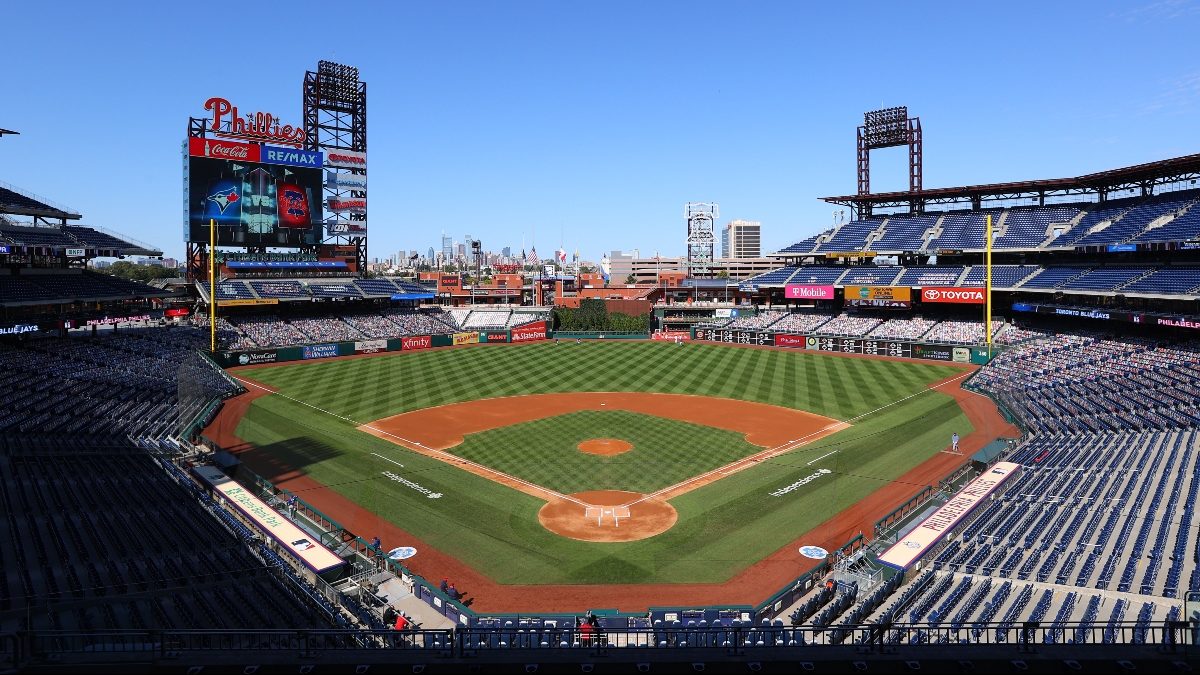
[930,532]
[786,340]
[319,351]
[303,546]
[808,292]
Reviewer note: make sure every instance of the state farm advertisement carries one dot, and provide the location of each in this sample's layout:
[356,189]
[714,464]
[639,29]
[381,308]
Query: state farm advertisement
[808,292]
[416,342]
[786,340]
[370,346]
[529,332]
[958,296]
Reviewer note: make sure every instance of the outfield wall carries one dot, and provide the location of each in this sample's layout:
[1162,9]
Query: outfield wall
[530,332]
[847,345]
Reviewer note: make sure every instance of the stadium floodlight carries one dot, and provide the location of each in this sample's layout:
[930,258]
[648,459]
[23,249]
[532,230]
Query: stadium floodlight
[888,128]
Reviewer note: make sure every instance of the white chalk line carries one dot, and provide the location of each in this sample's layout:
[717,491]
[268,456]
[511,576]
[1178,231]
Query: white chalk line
[771,453]
[441,454]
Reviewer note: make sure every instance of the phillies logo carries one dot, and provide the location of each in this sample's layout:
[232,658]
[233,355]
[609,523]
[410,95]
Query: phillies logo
[259,126]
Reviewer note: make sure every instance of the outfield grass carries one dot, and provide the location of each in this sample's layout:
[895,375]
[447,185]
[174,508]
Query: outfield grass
[722,527]
[665,452]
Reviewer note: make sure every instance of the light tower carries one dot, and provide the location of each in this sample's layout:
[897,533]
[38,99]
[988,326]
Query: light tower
[700,217]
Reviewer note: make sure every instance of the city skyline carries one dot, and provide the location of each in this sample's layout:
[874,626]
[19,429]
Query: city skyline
[523,128]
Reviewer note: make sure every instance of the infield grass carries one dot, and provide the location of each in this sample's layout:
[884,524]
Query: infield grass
[722,527]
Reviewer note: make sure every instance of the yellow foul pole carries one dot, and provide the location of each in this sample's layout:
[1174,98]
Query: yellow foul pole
[212,284]
[987,292]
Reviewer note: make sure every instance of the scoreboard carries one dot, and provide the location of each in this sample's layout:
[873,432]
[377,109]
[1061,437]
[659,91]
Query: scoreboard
[843,345]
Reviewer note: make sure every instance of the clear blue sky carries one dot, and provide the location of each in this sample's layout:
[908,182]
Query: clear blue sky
[597,120]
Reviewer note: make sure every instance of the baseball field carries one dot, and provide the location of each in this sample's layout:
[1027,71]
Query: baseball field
[588,465]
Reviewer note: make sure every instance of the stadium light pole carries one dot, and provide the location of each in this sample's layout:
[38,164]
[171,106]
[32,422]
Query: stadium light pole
[987,319]
[212,284]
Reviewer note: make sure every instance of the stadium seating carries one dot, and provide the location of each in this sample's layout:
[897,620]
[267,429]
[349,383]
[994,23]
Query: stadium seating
[929,276]
[851,236]
[1026,228]
[903,233]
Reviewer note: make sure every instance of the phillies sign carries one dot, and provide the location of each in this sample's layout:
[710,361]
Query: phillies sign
[228,122]
[787,340]
[238,152]
[531,331]
[959,296]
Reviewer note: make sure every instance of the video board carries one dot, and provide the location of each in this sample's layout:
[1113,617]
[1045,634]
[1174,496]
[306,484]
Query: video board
[258,195]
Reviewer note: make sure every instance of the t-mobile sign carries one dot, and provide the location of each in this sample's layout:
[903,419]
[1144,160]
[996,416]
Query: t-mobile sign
[808,292]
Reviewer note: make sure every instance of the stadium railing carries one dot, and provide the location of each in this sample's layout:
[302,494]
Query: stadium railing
[1168,640]
[604,334]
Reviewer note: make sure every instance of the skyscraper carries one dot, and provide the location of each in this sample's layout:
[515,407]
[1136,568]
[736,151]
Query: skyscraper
[742,239]
[447,247]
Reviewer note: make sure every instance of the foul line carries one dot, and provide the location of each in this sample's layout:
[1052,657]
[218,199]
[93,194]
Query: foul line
[771,453]
[446,457]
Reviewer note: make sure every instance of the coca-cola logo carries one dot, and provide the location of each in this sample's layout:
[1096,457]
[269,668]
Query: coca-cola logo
[226,150]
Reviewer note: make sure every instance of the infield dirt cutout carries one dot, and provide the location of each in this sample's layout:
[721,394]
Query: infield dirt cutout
[431,431]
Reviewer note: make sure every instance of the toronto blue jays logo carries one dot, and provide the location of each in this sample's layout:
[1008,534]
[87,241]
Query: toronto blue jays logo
[224,198]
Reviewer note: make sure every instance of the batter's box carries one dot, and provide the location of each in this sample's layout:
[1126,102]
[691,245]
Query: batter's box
[601,513]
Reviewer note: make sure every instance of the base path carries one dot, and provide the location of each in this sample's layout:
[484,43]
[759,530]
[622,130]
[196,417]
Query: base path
[750,586]
[444,426]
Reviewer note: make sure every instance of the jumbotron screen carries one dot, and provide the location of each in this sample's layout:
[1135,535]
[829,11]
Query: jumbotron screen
[258,195]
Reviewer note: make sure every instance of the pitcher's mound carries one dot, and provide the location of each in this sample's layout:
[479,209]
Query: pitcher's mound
[606,447]
[645,519]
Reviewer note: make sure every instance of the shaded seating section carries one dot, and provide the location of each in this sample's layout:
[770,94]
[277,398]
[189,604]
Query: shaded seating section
[70,286]
[903,233]
[1028,228]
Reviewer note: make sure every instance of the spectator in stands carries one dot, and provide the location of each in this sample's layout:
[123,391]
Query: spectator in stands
[402,622]
[444,585]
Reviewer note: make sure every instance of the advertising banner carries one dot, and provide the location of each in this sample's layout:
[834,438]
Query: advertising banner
[177,311]
[352,205]
[252,203]
[345,181]
[345,159]
[310,159]
[318,351]
[416,342]
[786,340]
[930,531]
[75,252]
[246,302]
[878,296]
[529,332]
[291,538]
[958,296]
[18,329]
[346,226]
[497,336]
[808,292]
[935,352]
[370,346]
[961,355]
[671,335]
[466,338]
[251,358]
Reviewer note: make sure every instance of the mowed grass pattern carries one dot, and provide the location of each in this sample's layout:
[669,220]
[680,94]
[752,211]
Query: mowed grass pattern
[722,527]
[369,389]
[664,451]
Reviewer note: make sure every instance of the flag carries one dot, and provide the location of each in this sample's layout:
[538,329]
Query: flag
[562,256]
[532,258]
[523,254]
[575,258]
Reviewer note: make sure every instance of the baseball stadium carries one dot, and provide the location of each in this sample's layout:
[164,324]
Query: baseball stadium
[958,430]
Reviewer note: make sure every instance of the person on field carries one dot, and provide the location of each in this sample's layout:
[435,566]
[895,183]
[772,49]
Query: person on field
[954,442]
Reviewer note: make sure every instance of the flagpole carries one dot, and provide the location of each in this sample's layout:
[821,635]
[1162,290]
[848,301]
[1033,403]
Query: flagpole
[212,284]
[988,289]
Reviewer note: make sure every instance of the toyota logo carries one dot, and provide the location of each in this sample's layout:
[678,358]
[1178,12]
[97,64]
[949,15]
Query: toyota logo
[933,294]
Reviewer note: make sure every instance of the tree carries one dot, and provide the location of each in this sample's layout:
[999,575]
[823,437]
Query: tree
[144,273]
[631,280]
